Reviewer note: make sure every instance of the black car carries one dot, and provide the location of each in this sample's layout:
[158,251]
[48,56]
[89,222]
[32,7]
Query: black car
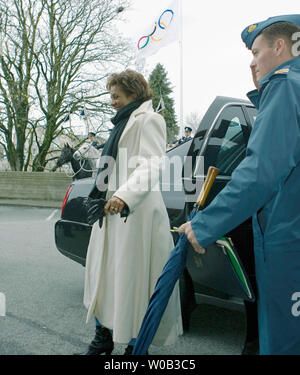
[221,140]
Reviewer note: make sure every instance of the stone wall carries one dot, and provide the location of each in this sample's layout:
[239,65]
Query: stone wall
[34,186]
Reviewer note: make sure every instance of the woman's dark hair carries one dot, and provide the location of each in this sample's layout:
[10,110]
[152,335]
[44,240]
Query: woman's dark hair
[131,83]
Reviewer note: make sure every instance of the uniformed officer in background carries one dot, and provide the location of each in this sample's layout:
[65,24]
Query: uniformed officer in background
[266,185]
[95,143]
[187,135]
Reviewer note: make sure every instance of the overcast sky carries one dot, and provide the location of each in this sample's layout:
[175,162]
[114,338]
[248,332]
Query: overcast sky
[215,60]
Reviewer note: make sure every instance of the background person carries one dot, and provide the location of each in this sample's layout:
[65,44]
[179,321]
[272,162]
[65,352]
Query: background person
[266,185]
[125,259]
[187,135]
[95,143]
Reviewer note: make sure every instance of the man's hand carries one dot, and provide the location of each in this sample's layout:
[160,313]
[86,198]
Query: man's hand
[188,231]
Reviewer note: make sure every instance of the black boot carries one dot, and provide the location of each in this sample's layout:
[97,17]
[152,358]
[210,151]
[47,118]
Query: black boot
[102,343]
[129,350]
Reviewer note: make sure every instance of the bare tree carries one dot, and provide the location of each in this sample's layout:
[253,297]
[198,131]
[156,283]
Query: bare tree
[193,120]
[66,48]
[18,28]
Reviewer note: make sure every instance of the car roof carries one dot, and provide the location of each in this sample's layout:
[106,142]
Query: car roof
[228,99]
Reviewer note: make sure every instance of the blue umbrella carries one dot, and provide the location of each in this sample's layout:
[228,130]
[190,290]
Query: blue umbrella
[170,275]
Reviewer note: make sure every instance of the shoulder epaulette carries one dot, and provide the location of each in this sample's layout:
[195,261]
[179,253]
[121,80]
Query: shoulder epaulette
[282,71]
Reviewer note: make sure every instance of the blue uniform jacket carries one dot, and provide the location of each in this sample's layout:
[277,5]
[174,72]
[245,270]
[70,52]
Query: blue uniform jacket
[266,184]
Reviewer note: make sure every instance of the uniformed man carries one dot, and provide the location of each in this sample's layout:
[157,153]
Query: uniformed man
[187,135]
[92,138]
[266,185]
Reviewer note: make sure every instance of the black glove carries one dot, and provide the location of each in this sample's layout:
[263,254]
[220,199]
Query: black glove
[95,210]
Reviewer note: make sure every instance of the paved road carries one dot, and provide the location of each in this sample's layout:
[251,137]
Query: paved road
[44,292]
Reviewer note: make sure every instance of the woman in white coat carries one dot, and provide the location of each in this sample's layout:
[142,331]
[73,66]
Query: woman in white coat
[126,257]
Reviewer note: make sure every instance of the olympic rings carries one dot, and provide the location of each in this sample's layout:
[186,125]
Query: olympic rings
[166,11]
[147,37]
[157,40]
[159,24]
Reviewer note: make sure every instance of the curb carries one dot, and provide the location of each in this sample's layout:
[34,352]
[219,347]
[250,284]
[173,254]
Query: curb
[32,203]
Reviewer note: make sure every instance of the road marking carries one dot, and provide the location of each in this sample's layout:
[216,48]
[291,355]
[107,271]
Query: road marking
[52,215]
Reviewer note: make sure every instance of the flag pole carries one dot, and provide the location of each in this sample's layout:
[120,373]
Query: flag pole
[181,68]
[86,117]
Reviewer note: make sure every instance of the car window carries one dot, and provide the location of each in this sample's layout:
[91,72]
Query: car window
[227,144]
[252,112]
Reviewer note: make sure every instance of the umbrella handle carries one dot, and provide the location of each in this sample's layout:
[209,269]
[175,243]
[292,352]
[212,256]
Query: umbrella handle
[210,178]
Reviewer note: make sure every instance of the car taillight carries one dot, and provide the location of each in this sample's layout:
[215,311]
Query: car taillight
[65,200]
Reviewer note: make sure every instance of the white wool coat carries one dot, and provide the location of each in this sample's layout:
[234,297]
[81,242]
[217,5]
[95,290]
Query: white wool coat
[125,259]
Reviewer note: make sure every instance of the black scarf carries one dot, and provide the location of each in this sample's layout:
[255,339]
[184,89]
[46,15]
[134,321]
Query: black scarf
[110,148]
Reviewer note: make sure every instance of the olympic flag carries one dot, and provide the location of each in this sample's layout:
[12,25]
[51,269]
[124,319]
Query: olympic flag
[164,30]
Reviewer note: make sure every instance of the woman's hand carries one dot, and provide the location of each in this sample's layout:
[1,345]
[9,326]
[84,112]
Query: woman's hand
[188,231]
[114,205]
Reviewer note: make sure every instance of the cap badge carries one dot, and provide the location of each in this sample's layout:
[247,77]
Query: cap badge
[251,28]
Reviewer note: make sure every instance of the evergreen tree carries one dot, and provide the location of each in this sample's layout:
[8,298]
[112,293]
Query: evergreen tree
[161,87]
